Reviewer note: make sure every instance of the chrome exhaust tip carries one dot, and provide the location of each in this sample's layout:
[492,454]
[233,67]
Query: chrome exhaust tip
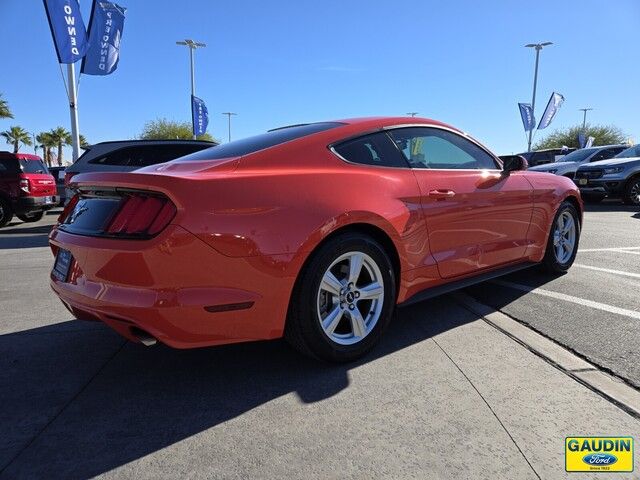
[143,337]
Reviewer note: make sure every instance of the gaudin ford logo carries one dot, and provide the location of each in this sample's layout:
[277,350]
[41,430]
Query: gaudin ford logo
[599,454]
[599,459]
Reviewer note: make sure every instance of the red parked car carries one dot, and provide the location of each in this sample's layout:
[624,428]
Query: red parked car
[26,187]
[312,232]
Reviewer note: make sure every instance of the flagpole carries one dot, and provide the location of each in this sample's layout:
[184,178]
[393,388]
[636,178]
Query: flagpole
[538,47]
[73,111]
[192,46]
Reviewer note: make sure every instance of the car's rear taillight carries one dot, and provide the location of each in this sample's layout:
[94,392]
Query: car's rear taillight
[141,215]
[68,208]
[25,185]
[67,178]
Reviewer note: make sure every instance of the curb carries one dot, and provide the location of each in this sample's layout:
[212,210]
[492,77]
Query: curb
[613,389]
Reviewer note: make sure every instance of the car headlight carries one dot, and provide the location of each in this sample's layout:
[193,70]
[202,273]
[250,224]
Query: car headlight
[612,170]
[553,170]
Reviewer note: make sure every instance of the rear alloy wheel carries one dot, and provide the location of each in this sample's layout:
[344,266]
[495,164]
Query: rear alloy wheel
[343,300]
[632,192]
[6,214]
[31,217]
[562,245]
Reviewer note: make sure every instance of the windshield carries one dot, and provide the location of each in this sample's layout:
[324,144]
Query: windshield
[249,145]
[630,152]
[578,155]
[32,166]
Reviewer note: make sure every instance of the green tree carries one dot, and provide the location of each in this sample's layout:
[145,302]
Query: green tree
[46,142]
[62,137]
[83,143]
[4,108]
[602,134]
[16,136]
[163,129]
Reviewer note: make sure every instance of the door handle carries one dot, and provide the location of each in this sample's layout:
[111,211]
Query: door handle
[442,194]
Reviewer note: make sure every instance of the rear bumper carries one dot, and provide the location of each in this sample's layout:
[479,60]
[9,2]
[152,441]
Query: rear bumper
[176,288]
[24,205]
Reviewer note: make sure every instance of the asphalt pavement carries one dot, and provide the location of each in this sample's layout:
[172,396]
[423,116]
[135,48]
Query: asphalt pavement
[446,395]
[594,309]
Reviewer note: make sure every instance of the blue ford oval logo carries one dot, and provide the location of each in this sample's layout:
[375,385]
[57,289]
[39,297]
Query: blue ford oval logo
[599,459]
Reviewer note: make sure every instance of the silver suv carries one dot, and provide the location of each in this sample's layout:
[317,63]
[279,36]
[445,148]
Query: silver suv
[617,177]
[568,165]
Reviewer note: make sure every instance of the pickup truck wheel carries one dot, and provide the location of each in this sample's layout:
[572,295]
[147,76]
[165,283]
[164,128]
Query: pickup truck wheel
[6,214]
[632,192]
[31,217]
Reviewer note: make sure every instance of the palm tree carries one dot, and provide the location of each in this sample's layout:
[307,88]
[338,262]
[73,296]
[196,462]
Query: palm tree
[4,109]
[15,136]
[46,142]
[62,137]
[83,143]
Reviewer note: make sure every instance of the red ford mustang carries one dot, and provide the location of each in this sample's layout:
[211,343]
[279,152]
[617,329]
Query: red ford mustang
[313,232]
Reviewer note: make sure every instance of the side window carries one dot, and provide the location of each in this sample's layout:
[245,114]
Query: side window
[434,148]
[8,167]
[605,154]
[375,149]
[117,157]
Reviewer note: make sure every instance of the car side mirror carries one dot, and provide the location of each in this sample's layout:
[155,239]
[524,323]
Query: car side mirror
[513,163]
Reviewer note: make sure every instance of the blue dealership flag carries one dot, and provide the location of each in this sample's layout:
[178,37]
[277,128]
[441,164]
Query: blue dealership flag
[67,29]
[200,115]
[105,34]
[528,120]
[582,139]
[555,102]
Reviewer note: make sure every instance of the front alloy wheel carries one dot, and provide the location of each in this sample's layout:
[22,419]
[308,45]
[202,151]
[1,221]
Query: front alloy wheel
[343,299]
[564,237]
[562,245]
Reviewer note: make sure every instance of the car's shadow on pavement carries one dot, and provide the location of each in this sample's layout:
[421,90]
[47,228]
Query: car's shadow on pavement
[20,235]
[610,206]
[79,401]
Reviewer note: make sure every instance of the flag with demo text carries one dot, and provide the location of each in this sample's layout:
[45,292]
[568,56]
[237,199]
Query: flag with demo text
[528,120]
[555,102]
[200,115]
[105,34]
[67,29]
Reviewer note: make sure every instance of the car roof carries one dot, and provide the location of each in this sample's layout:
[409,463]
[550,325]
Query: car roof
[153,142]
[21,156]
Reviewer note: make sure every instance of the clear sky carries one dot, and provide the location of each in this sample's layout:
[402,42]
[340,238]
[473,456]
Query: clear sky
[284,62]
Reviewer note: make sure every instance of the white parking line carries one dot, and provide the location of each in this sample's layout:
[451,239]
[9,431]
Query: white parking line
[632,250]
[569,298]
[608,270]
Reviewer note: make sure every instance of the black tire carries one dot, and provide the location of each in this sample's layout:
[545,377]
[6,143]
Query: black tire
[6,214]
[551,263]
[303,329]
[31,217]
[592,199]
[632,192]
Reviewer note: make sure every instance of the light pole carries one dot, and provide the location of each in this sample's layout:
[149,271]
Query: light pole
[412,114]
[192,46]
[228,114]
[538,47]
[584,117]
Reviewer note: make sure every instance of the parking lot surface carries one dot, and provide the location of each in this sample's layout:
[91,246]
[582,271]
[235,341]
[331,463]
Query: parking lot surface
[444,396]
